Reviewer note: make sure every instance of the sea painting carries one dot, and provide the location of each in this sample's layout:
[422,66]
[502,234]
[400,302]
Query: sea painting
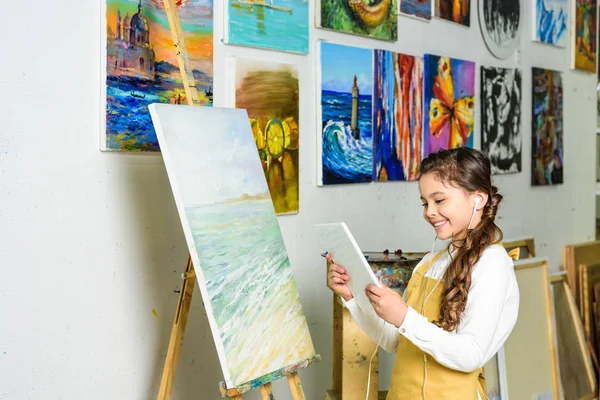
[501,138]
[500,21]
[457,11]
[269,92]
[397,116]
[547,127]
[233,236]
[280,25]
[416,8]
[449,103]
[585,46]
[346,101]
[142,68]
[376,19]
[550,22]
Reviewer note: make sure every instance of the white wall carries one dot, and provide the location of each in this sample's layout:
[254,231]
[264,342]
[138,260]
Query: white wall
[90,243]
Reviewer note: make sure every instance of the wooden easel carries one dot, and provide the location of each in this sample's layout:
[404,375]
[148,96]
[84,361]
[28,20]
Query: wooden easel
[189,275]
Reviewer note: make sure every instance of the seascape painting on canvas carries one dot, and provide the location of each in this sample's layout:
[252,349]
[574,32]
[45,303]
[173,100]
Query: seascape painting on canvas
[550,22]
[397,116]
[501,95]
[547,127]
[269,92]
[449,103]
[233,236]
[142,68]
[377,19]
[269,24]
[346,100]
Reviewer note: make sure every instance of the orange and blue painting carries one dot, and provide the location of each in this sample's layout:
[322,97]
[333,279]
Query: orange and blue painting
[547,127]
[449,97]
[585,46]
[269,92]
[377,19]
[269,24]
[346,123]
[142,68]
[397,116]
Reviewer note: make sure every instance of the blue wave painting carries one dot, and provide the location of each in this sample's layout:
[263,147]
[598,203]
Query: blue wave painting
[234,239]
[277,24]
[346,99]
[551,18]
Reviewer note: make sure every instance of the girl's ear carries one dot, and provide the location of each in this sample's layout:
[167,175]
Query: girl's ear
[480,200]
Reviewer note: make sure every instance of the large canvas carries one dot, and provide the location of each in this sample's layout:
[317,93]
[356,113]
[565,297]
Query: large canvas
[269,24]
[458,11]
[547,127]
[376,19]
[346,88]
[269,93]
[500,21]
[550,22]
[501,96]
[416,8]
[397,116]
[585,35]
[449,103]
[142,68]
[234,240]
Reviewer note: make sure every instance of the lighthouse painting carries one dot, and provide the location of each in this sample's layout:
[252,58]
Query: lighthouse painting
[346,145]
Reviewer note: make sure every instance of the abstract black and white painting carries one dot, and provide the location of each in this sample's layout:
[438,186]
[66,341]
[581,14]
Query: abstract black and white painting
[501,96]
[499,21]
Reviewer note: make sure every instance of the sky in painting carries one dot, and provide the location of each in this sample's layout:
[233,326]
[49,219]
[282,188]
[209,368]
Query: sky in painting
[340,63]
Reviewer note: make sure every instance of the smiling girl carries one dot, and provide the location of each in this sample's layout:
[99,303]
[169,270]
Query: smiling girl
[460,304]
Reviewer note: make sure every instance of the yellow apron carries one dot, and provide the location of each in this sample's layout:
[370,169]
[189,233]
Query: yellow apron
[408,374]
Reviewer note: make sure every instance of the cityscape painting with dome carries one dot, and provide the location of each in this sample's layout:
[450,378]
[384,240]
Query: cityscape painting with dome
[142,68]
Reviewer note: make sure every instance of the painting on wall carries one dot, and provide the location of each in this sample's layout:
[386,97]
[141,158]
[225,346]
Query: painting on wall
[397,116]
[141,67]
[499,21]
[227,213]
[547,127]
[269,93]
[378,20]
[585,35]
[550,22]
[449,103]
[458,11]
[501,96]
[345,145]
[269,24]
[416,8]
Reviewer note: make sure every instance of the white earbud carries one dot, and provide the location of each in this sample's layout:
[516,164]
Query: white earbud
[477,200]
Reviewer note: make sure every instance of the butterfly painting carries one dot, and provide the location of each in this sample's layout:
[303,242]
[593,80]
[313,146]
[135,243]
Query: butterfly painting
[449,97]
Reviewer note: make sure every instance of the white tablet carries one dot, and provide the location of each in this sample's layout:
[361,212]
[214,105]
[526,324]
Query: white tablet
[337,240]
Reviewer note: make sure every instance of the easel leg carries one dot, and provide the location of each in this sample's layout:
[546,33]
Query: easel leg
[266,391]
[296,386]
[181,314]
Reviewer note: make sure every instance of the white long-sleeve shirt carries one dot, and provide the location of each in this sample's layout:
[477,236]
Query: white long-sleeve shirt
[489,317]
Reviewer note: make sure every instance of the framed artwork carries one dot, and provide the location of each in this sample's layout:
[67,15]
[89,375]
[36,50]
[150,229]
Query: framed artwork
[501,137]
[420,9]
[550,22]
[500,22]
[140,67]
[269,92]
[457,11]
[377,21]
[449,103]
[585,47]
[280,25]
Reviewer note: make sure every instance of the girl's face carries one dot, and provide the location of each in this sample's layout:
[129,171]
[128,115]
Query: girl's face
[447,208]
